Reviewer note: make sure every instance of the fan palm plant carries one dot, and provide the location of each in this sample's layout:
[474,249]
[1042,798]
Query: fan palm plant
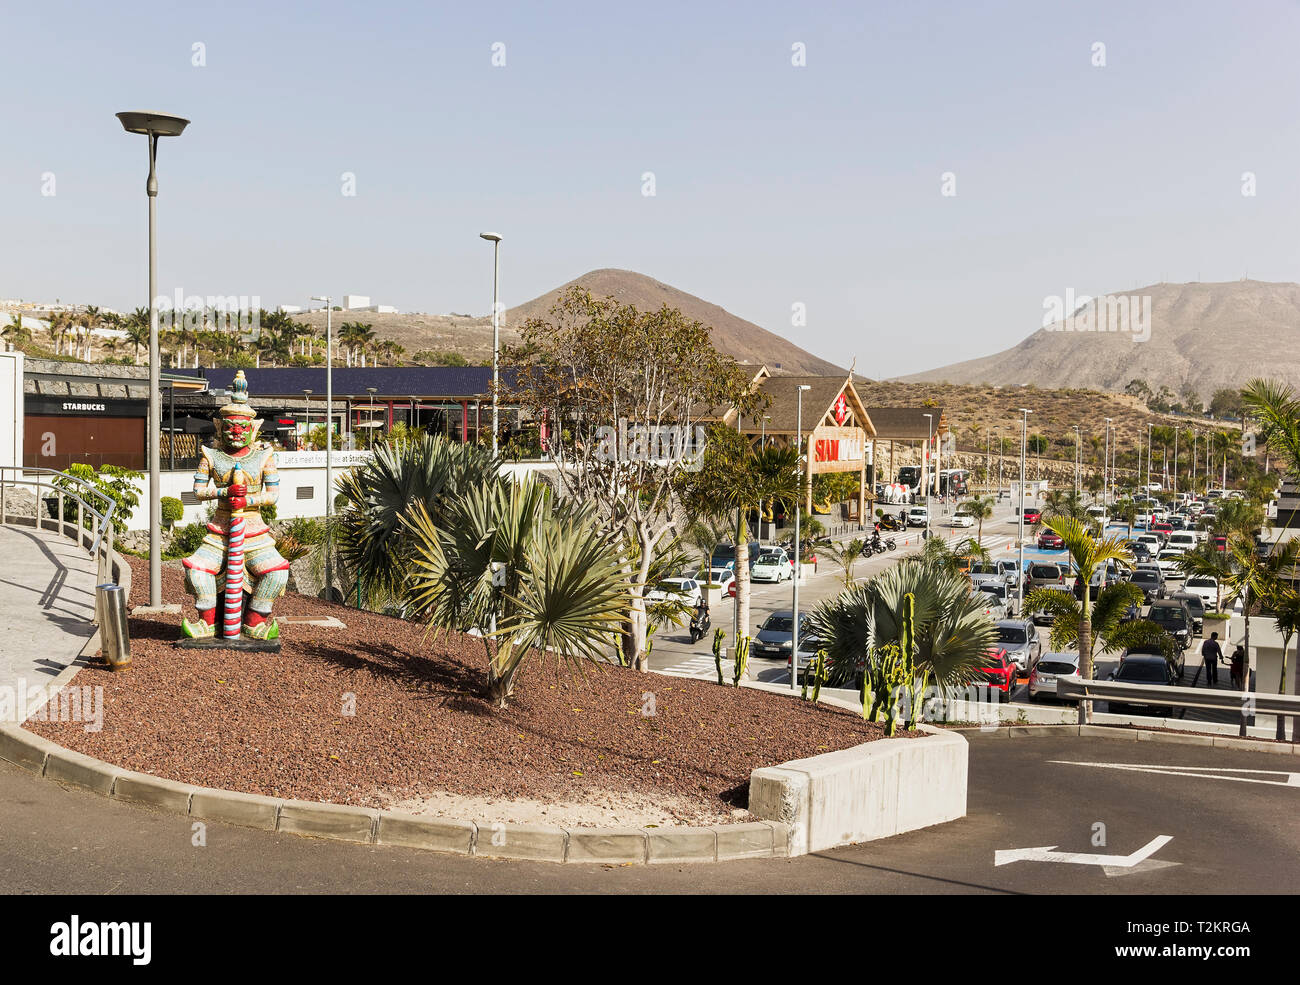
[1087,555]
[427,469]
[951,638]
[525,575]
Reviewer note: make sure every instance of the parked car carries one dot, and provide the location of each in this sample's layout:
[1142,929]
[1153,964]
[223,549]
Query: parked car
[1033,514]
[1050,540]
[1144,668]
[775,635]
[1041,617]
[1102,577]
[1183,540]
[1044,574]
[1150,541]
[999,672]
[772,565]
[685,590]
[918,516]
[1098,515]
[724,555]
[722,577]
[1195,606]
[996,598]
[1050,666]
[1175,619]
[1010,571]
[1168,562]
[1140,551]
[985,571]
[1019,638]
[1163,531]
[1205,587]
[1151,582]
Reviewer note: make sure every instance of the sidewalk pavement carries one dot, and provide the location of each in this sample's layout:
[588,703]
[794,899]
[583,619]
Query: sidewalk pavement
[47,601]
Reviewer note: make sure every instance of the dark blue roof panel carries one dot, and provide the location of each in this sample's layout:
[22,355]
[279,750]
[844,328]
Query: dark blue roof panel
[388,381]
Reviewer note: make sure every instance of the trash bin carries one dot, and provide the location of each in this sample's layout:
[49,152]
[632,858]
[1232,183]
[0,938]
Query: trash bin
[114,637]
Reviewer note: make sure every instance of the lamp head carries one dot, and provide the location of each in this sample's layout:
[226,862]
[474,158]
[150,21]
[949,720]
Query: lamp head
[153,124]
[490,237]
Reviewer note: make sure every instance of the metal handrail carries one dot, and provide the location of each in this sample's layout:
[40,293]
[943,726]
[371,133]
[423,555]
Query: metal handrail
[101,547]
[1077,688]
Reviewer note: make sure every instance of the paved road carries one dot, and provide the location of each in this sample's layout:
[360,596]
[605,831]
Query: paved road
[47,599]
[1228,836]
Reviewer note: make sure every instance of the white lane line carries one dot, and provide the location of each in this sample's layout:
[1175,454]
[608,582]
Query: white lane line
[1046,853]
[1291,779]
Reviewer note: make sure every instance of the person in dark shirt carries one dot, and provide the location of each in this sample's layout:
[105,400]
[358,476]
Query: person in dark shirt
[1211,654]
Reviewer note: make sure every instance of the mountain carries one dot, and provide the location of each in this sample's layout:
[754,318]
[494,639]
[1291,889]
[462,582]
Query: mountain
[472,337]
[1202,336]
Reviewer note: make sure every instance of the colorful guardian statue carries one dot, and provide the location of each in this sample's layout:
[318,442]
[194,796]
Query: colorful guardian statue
[236,573]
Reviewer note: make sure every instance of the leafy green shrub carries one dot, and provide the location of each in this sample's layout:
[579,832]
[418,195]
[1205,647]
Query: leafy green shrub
[186,540]
[304,530]
[173,510]
[112,480]
[268,513]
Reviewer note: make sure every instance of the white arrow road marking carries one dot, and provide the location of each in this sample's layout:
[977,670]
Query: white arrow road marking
[1219,772]
[1047,854]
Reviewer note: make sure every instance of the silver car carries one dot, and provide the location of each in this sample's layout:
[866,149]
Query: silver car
[1050,666]
[1019,637]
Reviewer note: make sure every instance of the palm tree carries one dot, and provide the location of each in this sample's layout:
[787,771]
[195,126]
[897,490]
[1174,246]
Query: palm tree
[1207,561]
[427,469]
[558,587]
[137,330]
[17,333]
[846,556]
[1087,555]
[1111,631]
[937,554]
[1285,603]
[981,508]
[1251,579]
[952,635]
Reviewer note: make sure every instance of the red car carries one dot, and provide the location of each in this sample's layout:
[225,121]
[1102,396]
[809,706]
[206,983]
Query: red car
[999,672]
[1161,528]
[1220,543]
[1033,514]
[1050,541]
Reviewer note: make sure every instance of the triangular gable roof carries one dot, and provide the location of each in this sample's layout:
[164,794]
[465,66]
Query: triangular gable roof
[783,411]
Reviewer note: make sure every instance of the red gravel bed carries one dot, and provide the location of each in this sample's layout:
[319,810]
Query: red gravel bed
[273,724]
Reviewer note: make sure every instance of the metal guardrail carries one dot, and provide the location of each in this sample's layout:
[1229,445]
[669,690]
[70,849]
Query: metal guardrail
[51,484]
[1076,688]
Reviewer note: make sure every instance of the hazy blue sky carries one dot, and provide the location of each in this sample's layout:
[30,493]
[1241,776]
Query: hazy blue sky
[775,184]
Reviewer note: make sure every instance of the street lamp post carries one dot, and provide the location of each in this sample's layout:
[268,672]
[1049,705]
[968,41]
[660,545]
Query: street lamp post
[154,125]
[306,394]
[763,445]
[798,509]
[1105,468]
[929,436]
[1020,538]
[1077,439]
[495,240]
[1150,425]
[329,439]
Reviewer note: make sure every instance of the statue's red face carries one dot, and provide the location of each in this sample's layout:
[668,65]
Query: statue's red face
[238,432]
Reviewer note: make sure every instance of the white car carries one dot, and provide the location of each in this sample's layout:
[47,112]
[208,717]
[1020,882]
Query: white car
[1142,520]
[1205,588]
[918,516]
[676,589]
[1168,562]
[722,577]
[772,566]
[1183,540]
[1050,666]
[1150,541]
[961,520]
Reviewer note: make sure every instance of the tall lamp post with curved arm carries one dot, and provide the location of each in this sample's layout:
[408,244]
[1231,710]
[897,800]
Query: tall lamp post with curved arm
[153,126]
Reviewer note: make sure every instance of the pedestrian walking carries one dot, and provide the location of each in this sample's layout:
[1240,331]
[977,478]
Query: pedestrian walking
[1211,654]
[1238,666]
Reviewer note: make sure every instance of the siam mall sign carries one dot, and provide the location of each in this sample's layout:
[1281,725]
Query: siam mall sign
[838,449]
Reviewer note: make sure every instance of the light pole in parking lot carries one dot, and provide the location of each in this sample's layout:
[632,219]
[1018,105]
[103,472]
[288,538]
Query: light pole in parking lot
[929,437]
[1020,540]
[328,301]
[1077,438]
[798,478]
[1150,425]
[1105,468]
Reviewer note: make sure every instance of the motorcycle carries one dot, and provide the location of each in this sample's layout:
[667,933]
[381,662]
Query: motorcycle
[699,625]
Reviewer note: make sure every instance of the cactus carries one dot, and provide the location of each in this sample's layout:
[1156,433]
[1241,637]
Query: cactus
[718,637]
[742,659]
[819,674]
[907,643]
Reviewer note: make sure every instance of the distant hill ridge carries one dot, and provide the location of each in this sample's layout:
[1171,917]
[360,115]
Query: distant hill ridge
[472,337]
[1202,335]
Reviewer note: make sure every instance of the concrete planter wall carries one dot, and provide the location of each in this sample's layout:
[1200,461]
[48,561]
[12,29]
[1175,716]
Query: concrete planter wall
[871,791]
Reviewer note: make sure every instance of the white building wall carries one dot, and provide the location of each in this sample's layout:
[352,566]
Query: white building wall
[11,408]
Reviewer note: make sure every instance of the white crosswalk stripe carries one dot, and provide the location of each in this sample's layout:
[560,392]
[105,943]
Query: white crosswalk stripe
[698,666]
